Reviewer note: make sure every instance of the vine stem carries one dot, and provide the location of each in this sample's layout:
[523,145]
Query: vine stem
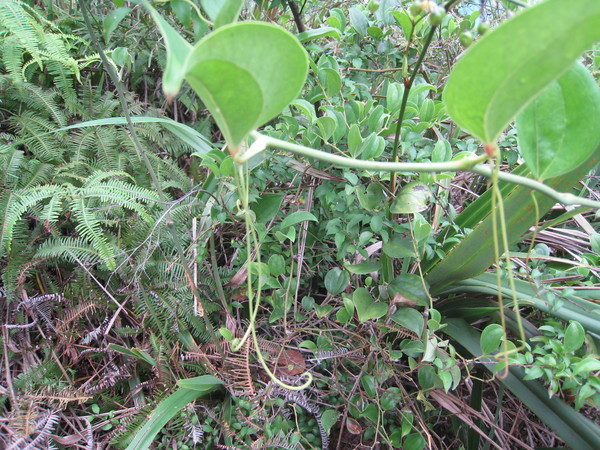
[241,178]
[407,86]
[408,83]
[470,164]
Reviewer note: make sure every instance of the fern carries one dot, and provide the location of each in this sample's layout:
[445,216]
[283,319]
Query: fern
[27,31]
[18,202]
[71,249]
[89,228]
[35,173]
[11,161]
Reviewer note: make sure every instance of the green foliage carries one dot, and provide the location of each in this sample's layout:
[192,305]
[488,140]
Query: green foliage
[516,73]
[169,407]
[155,238]
[560,360]
[557,131]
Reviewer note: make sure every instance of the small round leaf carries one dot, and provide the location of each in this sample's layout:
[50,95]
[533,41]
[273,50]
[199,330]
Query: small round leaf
[336,281]
[491,338]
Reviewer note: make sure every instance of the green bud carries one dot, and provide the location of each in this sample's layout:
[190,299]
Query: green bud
[466,38]
[373,6]
[415,8]
[436,18]
[483,28]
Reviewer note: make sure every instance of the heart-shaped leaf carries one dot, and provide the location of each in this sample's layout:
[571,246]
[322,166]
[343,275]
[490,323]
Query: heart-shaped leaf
[246,73]
[409,318]
[559,130]
[509,66]
[365,306]
[336,281]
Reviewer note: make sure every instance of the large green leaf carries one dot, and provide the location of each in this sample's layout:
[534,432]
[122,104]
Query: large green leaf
[581,310]
[560,128]
[576,430]
[509,66]
[228,12]
[170,406]
[475,253]
[246,73]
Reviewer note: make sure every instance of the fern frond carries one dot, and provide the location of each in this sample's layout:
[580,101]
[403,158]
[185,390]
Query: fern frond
[88,226]
[99,176]
[12,57]
[42,100]
[21,25]
[34,129]
[42,40]
[44,427]
[10,163]
[74,313]
[58,397]
[18,203]
[36,173]
[51,211]
[69,249]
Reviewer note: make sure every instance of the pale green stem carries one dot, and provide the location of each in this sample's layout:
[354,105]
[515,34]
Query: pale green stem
[472,164]
[254,297]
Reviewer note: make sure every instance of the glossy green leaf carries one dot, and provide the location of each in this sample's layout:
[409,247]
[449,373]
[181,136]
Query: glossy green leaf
[246,73]
[316,33]
[169,408]
[330,80]
[399,247]
[267,207]
[327,126]
[358,20]
[491,337]
[574,337]
[576,430]
[364,268]
[410,287]
[113,19]
[228,12]
[390,398]
[559,130]
[366,307]
[373,198]
[412,198]
[369,384]
[409,318]
[414,440]
[512,64]
[589,364]
[355,140]
[297,217]
[183,12]
[442,151]
[329,418]
[277,265]
[121,56]
[336,281]
[178,50]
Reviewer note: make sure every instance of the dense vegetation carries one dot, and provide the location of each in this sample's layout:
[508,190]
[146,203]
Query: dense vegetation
[172,277]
